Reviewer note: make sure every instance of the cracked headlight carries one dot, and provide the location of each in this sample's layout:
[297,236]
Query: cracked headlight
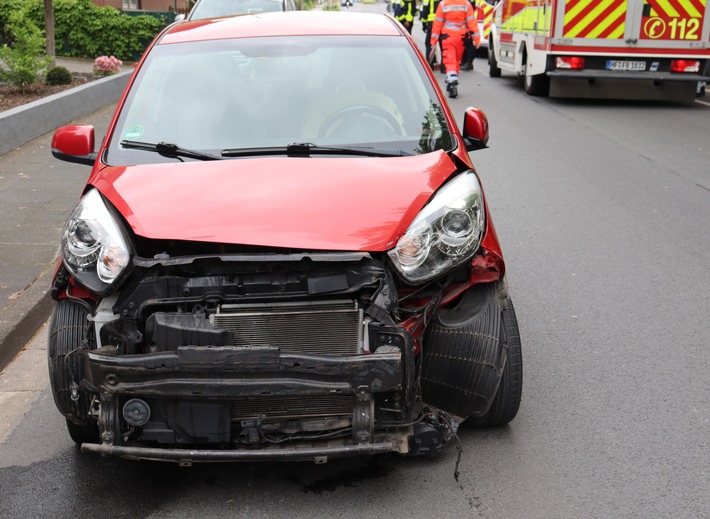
[93,246]
[446,232]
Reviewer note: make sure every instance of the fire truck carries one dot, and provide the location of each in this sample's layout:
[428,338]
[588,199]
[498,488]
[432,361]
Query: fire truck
[619,49]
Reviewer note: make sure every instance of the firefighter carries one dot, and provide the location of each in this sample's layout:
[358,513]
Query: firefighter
[427,15]
[404,12]
[453,19]
[469,51]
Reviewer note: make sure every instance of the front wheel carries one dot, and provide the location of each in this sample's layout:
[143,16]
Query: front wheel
[506,403]
[69,331]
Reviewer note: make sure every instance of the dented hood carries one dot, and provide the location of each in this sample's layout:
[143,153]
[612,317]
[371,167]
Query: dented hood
[316,203]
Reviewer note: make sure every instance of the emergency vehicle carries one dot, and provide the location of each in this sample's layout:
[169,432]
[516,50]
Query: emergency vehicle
[621,49]
[484,11]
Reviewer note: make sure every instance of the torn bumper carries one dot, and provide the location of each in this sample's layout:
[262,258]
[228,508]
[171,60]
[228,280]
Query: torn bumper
[230,372]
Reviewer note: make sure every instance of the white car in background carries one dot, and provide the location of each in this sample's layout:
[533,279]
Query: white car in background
[217,8]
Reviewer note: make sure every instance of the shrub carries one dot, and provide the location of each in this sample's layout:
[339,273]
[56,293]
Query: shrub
[25,57]
[83,30]
[107,65]
[58,76]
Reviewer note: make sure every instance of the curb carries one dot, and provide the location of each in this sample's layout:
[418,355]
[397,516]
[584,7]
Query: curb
[20,320]
[24,123]
[30,308]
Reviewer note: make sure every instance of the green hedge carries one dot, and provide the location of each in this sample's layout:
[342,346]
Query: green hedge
[83,30]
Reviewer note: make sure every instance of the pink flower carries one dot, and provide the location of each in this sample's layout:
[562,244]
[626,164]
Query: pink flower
[107,65]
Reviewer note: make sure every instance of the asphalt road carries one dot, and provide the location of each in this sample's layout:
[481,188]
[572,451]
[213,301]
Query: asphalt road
[602,211]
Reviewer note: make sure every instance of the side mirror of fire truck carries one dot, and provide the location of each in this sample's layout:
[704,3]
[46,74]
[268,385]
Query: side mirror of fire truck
[475,129]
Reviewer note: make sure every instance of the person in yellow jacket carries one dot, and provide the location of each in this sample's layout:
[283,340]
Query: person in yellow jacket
[427,13]
[453,19]
[404,12]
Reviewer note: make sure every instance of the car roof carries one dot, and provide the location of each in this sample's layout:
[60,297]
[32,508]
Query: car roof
[291,23]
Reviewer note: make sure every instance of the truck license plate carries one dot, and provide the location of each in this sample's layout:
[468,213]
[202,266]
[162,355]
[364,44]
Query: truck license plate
[635,66]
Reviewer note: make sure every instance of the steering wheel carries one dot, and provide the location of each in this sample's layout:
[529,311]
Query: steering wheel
[352,113]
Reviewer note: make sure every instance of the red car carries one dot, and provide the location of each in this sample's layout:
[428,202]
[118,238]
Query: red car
[283,251]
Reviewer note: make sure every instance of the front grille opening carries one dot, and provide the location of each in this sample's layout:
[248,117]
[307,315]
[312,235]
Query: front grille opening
[318,328]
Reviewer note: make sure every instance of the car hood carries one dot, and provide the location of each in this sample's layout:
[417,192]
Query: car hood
[316,203]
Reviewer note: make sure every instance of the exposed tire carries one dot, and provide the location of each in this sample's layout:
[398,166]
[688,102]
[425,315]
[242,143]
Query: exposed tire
[68,332]
[507,400]
[463,354]
[493,69]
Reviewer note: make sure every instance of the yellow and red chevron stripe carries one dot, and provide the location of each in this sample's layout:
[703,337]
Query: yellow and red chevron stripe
[677,8]
[487,17]
[597,18]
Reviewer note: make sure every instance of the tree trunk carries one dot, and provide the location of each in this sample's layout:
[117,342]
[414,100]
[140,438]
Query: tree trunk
[49,29]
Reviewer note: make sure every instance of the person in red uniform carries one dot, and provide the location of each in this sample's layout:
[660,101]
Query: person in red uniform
[453,19]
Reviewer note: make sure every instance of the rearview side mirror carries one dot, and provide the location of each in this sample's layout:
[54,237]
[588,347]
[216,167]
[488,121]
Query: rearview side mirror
[75,144]
[475,129]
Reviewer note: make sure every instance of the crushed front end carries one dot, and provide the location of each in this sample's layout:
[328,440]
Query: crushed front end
[248,356]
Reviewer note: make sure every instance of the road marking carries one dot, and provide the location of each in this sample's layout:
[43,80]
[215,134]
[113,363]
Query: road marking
[702,102]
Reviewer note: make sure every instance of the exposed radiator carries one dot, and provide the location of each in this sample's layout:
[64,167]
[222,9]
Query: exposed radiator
[320,328]
[292,406]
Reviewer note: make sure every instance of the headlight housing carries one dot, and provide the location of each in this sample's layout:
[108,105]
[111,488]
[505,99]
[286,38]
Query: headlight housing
[446,233]
[93,246]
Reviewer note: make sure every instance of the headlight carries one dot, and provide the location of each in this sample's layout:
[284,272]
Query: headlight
[93,246]
[444,234]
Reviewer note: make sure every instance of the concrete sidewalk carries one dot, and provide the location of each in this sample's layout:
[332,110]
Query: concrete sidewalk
[37,193]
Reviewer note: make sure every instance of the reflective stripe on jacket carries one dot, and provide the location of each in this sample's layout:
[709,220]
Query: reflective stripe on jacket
[455,17]
[428,12]
[402,13]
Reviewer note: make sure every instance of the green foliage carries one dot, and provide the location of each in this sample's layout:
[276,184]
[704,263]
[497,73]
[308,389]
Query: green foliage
[83,30]
[58,76]
[24,57]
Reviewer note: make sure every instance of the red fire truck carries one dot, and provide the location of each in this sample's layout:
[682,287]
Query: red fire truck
[621,49]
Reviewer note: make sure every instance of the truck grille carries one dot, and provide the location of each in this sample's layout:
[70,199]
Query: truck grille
[319,328]
[292,406]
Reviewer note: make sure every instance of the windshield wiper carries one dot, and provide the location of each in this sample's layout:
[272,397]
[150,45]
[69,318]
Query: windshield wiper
[306,149]
[168,149]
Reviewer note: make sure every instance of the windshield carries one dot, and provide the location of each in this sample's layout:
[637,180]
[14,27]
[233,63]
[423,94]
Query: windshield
[272,92]
[215,8]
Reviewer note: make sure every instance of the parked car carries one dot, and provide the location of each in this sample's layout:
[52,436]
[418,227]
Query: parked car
[217,8]
[283,251]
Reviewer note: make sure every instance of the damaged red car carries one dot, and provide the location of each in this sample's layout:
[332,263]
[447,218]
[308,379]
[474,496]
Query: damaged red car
[282,252]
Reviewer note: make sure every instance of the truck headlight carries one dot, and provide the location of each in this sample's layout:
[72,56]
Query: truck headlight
[446,232]
[93,246]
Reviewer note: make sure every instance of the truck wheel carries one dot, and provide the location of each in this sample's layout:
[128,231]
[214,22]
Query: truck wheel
[507,400]
[538,85]
[67,334]
[493,69]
